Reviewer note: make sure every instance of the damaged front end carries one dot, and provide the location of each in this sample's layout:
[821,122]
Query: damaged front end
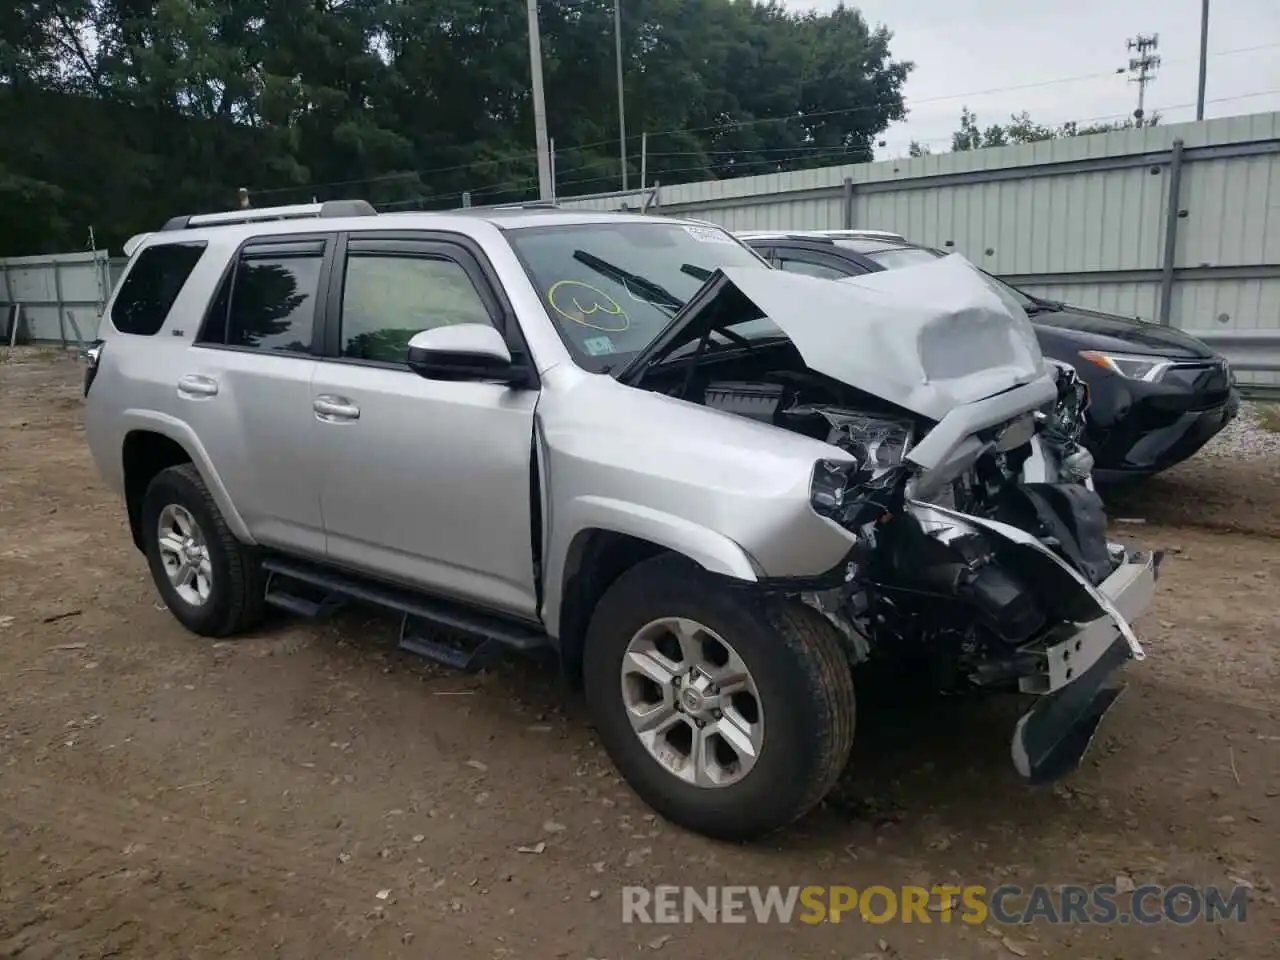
[979,555]
[999,579]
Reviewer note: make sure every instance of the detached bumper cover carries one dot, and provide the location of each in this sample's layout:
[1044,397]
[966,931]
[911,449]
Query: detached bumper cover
[1074,670]
[1052,737]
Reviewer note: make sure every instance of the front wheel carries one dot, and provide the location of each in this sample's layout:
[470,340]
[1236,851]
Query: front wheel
[728,713]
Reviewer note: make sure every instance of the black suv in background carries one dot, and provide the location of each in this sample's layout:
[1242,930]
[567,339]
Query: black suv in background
[1157,394]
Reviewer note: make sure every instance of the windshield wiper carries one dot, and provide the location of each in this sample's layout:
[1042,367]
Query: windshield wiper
[655,294]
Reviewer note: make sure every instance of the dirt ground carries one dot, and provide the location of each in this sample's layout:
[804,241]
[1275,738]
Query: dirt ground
[166,797]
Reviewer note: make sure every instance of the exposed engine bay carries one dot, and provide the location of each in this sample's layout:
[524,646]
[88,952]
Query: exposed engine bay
[961,604]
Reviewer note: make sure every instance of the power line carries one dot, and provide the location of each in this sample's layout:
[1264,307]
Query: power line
[512,185]
[733,125]
[951,96]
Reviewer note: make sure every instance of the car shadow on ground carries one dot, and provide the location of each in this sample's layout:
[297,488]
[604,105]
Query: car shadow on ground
[1193,495]
[915,755]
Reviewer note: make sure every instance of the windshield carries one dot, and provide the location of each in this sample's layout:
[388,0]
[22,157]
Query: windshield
[610,288]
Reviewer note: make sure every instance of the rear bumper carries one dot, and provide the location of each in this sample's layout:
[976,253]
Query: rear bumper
[1135,449]
[1074,681]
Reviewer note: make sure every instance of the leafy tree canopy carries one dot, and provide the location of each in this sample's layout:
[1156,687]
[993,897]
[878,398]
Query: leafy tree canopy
[120,113]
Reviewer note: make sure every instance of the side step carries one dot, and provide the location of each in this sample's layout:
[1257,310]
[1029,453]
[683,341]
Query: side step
[472,639]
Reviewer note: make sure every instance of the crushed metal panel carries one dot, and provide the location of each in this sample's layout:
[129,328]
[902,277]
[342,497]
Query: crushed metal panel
[927,338]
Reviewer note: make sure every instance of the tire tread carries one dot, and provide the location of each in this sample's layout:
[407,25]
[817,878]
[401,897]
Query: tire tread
[831,684]
[243,577]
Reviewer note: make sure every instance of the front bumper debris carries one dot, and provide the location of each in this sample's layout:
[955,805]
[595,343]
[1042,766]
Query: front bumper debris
[1130,589]
[1052,737]
[1073,670]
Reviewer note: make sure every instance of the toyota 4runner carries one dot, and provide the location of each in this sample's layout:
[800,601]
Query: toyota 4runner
[712,488]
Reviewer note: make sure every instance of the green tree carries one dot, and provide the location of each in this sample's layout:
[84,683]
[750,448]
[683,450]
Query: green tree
[133,110]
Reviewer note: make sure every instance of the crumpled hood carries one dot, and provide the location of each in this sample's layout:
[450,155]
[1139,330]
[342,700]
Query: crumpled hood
[928,338]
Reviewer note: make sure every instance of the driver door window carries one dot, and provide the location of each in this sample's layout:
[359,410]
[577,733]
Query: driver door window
[386,299]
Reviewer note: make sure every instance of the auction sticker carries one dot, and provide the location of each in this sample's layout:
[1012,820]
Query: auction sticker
[599,346]
[709,235]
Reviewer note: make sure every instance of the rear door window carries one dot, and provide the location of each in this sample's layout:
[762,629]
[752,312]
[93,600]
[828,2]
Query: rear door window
[268,302]
[152,285]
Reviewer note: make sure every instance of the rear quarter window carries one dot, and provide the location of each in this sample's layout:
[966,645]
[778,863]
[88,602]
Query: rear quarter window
[150,287]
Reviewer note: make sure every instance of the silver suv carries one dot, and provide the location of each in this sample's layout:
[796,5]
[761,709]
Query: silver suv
[719,492]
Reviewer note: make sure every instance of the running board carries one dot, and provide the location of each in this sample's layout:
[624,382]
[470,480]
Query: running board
[473,639]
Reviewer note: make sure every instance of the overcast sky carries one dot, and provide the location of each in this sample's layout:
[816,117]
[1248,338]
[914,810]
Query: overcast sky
[964,48]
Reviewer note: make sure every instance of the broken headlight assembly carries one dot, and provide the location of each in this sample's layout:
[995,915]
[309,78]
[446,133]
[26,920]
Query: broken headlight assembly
[855,492]
[1062,425]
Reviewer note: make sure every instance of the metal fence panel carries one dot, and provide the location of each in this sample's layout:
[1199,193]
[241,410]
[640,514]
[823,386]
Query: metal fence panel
[1082,220]
[62,295]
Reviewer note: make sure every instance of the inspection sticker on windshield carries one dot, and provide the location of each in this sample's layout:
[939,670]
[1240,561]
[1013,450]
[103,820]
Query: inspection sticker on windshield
[709,234]
[599,346]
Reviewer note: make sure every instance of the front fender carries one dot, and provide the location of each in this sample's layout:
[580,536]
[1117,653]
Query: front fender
[182,434]
[712,551]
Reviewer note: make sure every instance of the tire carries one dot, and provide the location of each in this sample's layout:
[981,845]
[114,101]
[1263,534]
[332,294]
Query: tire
[236,589]
[794,660]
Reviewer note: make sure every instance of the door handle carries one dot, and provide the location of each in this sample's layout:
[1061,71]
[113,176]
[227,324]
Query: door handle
[334,409]
[193,386]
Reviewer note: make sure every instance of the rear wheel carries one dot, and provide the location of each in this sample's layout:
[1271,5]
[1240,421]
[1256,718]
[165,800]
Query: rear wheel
[729,714]
[210,581]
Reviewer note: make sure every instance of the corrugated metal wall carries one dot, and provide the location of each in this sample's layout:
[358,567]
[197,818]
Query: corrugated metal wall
[1081,220]
[61,295]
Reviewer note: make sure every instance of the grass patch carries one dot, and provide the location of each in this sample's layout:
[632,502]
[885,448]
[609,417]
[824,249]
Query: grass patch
[1269,417]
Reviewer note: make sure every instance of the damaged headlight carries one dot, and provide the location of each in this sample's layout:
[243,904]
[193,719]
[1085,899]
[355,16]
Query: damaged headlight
[877,443]
[855,492]
[1063,422]
[1062,426]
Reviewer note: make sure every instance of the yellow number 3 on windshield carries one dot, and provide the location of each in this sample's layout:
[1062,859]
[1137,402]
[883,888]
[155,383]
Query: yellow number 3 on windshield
[587,305]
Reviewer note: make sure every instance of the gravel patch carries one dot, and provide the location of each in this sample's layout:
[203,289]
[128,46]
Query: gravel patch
[1245,438]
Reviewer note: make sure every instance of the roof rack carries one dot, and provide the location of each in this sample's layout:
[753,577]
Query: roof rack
[820,236]
[297,211]
[522,205]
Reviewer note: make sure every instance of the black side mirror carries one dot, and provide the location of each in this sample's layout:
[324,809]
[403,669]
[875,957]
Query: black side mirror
[463,351]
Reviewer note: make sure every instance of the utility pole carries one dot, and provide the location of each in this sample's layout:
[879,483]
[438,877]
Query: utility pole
[644,160]
[1204,57]
[546,190]
[622,111]
[1144,65]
